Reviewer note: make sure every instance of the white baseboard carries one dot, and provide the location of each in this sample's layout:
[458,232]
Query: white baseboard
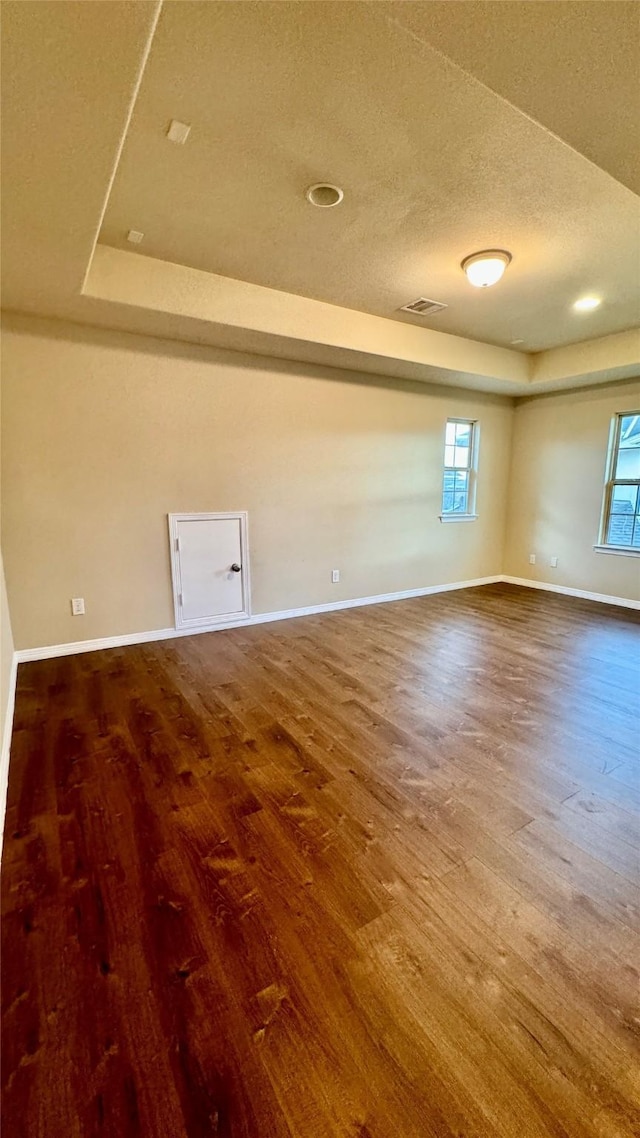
[603,598]
[51,651]
[6,743]
[75,647]
[78,646]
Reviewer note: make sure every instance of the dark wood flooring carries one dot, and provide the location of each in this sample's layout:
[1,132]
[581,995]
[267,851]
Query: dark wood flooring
[370,874]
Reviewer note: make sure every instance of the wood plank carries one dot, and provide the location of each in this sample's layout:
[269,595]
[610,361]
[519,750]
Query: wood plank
[364,873]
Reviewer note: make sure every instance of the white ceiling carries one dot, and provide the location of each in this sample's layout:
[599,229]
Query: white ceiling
[434,166]
[573,67]
[436,162]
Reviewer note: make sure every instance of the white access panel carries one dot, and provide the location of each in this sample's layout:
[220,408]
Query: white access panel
[209,562]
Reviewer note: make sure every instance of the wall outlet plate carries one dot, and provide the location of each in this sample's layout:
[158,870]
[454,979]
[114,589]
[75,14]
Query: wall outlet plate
[77,606]
[532,558]
[335,576]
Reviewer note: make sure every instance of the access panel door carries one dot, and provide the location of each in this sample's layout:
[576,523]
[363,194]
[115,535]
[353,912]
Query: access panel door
[210,568]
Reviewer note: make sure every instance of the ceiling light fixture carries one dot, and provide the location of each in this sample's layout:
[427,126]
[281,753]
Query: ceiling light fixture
[486,268]
[324,195]
[587,303]
[135,236]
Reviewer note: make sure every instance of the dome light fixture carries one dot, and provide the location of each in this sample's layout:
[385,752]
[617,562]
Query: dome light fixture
[486,268]
[587,303]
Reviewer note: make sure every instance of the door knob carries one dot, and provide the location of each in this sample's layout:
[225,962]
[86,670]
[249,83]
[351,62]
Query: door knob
[235,567]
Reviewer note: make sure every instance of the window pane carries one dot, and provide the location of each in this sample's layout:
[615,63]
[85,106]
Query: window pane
[620,529]
[460,493]
[628,463]
[636,533]
[629,432]
[624,500]
[457,461]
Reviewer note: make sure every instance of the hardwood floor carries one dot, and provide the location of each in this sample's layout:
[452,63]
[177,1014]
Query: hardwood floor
[371,873]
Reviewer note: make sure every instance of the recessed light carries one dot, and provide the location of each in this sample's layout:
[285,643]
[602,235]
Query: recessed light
[486,268]
[324,195]
[587,303]
[135,236]
[178,131]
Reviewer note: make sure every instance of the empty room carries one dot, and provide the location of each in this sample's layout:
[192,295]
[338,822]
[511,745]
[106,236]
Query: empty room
[320,516]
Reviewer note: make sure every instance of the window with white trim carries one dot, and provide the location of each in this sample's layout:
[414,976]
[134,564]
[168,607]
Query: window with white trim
[459,484]
[621,509]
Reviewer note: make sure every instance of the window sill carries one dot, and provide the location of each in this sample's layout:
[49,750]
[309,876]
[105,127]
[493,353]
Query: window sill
[458,517]
[617,550]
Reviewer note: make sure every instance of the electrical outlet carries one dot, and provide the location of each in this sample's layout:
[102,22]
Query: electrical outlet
[532,558]
[554,562]
[77,606]
[335,576]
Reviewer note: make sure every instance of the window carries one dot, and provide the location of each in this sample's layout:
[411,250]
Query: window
[621,511]
[458,489]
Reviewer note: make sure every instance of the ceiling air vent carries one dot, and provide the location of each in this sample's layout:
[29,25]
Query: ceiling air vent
[423,307]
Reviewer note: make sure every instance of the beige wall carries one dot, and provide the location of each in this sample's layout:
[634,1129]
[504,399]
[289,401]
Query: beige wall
[6,696]
[106,433]
[556,484]
[6,649]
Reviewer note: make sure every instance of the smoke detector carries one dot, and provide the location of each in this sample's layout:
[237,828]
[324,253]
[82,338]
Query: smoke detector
[324,195]
[178,131]
[423,307]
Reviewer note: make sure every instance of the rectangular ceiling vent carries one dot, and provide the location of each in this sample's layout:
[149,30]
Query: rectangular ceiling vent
[423,307]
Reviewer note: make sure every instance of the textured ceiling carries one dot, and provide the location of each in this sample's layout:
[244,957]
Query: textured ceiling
[69,72]
[572,66]
[338,88]
[434,164]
